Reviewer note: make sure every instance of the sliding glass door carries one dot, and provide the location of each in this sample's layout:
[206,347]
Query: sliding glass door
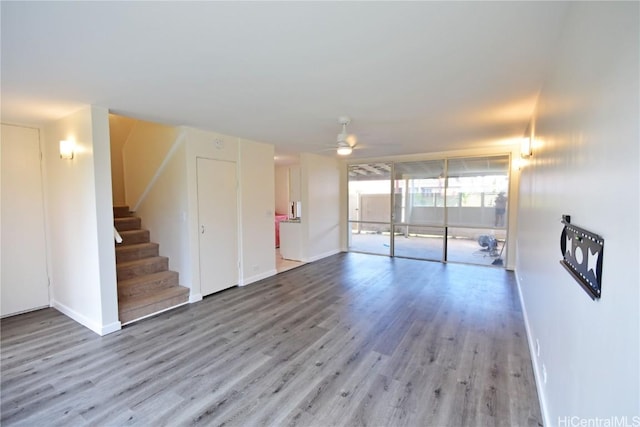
[418,217]
[477,191]
[370,208]
[447,210]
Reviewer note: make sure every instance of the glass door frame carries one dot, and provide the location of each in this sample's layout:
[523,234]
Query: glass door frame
[444,226]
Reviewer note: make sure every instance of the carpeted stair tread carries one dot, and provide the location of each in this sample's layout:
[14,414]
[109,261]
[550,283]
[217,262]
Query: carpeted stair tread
[132,237]
[132,252]
[121,211]
[148,283]
[127,223]
[146,286]
[139,267]
[135,307]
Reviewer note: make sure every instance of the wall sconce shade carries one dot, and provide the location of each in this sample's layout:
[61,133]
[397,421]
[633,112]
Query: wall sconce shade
[525,147]
[66,149]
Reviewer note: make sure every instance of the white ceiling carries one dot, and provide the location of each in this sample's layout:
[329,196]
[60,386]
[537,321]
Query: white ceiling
[415,77]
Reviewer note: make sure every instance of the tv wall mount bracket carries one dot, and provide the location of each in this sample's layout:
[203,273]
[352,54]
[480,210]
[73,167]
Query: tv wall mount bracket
[582,253]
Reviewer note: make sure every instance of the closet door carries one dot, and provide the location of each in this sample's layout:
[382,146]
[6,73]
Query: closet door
[218,224]
[24,282]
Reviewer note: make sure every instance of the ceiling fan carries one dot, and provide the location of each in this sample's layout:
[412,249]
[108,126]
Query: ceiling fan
[346,142]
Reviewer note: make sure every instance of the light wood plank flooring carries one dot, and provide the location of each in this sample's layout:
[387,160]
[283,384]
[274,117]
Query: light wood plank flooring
[350,340]
[283,265]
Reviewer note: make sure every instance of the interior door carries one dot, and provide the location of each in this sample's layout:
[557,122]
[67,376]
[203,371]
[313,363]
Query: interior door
[24,282]
[218,224]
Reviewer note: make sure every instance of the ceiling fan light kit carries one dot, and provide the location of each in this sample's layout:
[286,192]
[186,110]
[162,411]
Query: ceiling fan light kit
[344,148]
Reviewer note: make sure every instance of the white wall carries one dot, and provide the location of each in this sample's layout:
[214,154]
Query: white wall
[586,164]
[170,207]
[164,212]
[256,178]
[80,221]
[146,148]
[282,189]
[320,187]
[119,129]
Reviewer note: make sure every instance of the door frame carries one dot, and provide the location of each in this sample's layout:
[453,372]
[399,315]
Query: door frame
[237,233]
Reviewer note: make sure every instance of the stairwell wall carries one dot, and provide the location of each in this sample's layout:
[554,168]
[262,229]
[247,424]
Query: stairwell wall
[144,151]
[164,212]
[119,129]
[80,220]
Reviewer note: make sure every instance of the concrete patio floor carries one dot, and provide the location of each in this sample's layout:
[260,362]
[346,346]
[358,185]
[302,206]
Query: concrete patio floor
[464,250]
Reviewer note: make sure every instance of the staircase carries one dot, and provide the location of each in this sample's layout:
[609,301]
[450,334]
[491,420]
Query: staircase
[145,284]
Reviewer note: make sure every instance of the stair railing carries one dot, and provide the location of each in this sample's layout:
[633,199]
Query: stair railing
[117,236]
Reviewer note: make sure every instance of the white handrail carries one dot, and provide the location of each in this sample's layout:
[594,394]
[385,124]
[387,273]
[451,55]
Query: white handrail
[117,236]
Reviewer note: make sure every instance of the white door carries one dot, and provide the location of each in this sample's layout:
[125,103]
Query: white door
[218,224]
[24,283]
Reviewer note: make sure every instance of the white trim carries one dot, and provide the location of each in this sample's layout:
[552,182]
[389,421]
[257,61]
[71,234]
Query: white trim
[323,255]
[257,277]
[195,298]
[112,327]
[155,312]
[160,169]
[86,322]
[542,399]
[28,310]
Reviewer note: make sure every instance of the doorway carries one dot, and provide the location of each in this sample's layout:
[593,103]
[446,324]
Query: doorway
[217,224]
[25,283]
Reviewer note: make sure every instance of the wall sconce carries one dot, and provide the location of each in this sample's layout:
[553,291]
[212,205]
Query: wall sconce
[66,149]
[525,147]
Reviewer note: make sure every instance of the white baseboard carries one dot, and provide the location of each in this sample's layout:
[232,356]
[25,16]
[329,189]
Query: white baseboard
[156,312]
[257,277]
[542,399]
[323,255]
[195,298]
[85,321]
[112,327]
[24,311]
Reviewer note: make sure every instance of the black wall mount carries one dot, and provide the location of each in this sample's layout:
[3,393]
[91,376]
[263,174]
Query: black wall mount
[582,253]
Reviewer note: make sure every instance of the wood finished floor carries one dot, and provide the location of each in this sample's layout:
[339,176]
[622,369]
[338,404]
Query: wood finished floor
[349,340]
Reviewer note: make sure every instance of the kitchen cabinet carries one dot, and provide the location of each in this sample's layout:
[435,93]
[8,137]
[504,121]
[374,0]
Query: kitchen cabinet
[291,240]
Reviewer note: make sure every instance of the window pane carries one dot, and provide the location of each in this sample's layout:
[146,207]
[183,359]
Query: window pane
[418,242]
[476,192]
[370,192]
[371,238]
[476,246]
[418,192]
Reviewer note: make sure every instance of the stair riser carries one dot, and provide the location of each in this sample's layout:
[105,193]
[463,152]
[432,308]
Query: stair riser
[151,286]
[129,272]
[121,211]
[136,236]
[126,224]
[136,313]
[123,255]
